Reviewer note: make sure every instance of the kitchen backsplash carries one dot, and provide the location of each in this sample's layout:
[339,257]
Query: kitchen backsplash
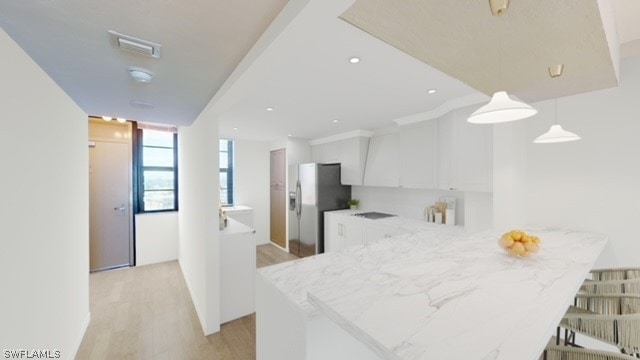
[405,202]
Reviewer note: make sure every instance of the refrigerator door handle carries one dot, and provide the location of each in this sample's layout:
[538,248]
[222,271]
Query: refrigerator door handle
[298,199]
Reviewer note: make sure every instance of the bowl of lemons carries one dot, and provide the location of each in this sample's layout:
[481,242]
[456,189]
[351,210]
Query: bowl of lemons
[518,243]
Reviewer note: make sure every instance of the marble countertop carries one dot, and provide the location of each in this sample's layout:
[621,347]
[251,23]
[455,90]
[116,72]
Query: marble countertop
[235,227]
[236,208]
[442,293]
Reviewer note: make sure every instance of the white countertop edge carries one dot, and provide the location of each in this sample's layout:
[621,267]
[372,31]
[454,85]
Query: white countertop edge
[236,208]
[349,327]
[234,227]
[542,342]
[293,306]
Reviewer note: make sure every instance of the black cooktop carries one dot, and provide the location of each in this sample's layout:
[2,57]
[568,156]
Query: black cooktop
[373,215]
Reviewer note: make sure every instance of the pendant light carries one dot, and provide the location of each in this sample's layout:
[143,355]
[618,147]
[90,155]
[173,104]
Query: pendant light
[502,108]
[556,133]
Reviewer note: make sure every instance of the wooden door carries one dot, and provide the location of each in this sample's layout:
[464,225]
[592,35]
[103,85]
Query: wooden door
[278,197]
[109,212]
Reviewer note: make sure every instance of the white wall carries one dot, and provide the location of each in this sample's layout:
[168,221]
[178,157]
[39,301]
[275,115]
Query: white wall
[156,237]
[404,202]
[44,217]
[198,244]
[591,184]
[252,183]
[298,151]
[510,175]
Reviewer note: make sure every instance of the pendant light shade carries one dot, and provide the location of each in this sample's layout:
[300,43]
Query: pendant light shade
[556,135]
[501,109]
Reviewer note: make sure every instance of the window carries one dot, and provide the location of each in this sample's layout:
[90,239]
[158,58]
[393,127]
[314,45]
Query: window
[226,172]
[157,170]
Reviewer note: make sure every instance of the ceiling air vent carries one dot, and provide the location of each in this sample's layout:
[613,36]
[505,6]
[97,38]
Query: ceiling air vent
[135,45]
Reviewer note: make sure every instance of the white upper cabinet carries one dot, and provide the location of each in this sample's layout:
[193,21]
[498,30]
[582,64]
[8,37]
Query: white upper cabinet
[351,153]
[419,155]
[327,153]
[383,161]
[465,154]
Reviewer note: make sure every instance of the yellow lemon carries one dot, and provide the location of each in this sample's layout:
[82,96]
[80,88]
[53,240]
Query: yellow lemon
[531,247]
[505,241]
[517,249]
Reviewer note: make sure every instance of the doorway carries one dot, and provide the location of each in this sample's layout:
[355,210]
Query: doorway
[110,216]
[278,198]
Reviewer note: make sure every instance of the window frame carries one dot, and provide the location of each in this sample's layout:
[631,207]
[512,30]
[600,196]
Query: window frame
[229,170]
[140,169]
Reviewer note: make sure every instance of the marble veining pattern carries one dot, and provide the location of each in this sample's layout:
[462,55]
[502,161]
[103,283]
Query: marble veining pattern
[442,293]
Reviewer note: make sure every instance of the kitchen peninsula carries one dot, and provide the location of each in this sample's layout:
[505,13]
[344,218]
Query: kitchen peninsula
[440,293]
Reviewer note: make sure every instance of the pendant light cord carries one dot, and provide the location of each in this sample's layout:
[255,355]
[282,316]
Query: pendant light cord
[500,28]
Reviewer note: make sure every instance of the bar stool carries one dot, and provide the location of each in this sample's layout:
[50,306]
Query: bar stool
[615,274]
[555,352]
[613,319]
[630,286]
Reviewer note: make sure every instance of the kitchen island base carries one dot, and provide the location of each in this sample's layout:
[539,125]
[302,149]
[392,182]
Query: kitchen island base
[284,332]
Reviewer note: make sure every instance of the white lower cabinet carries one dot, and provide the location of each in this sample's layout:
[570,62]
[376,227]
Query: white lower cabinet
[237,268]
[343,231]
[333,241]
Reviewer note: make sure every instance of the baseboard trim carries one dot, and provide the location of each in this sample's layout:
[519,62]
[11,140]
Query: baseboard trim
[81,335]
[195,306]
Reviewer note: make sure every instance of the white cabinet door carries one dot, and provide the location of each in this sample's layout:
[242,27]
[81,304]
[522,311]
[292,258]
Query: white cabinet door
[419,155]
[353,153]
[237,268]
[327,153]
[333,239]
[382,167]
[341,231]
[351,230]
[473,158]
[465,156]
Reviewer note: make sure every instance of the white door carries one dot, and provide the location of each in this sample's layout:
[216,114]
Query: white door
[109,212]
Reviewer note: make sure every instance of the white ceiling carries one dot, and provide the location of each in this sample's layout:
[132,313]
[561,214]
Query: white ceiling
[203,41]
[301,70]
[305,76]
[511,52]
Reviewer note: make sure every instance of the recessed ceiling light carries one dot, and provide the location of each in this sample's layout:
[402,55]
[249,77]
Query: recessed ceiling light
[140,75]
[121,120]
[289,135]
[269,109]
[432,91]
[335,121]
[354,60]
[107,118]
[235,128]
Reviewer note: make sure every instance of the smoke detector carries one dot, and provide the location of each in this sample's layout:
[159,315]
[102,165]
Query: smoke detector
[135,45]
[140,75]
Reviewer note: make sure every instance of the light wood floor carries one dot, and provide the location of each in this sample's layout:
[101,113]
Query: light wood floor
[146,312]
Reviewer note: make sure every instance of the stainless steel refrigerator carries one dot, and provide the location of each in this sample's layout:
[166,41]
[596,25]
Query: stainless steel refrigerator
[313,189]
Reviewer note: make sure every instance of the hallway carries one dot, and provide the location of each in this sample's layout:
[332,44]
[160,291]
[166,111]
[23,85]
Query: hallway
[146,313]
